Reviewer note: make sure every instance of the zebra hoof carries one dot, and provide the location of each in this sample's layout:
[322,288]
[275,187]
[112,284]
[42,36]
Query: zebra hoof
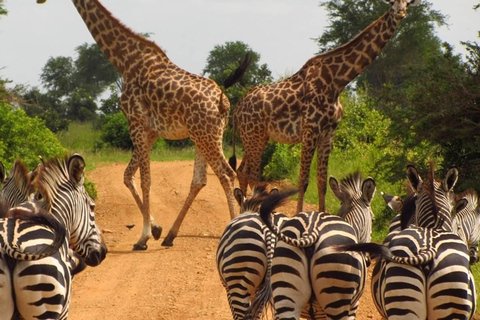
[156,232]
[137,247]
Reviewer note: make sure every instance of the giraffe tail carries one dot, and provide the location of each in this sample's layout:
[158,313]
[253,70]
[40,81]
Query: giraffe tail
[238,74]
[232,161]
[235,77]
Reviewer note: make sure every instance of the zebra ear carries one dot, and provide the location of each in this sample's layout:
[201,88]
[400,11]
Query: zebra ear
[394,202]
[76,169]
[451,179]
[274,190]
[238,194]
[413,177]
[335,188]
[460,205]
[3,174]
[368,189]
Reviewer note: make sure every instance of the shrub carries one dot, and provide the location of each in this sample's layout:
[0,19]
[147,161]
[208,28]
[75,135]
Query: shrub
[115,133]
[279,161]
[25,138]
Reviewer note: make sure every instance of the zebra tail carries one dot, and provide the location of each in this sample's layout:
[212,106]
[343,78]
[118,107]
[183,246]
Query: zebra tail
[424,256]
[275,200]
[44,219]
[263,296]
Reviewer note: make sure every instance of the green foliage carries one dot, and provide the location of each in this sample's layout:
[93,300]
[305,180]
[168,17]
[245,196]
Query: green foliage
[413,42]
[115,131]
[279,160]
[25,138]
[224,59]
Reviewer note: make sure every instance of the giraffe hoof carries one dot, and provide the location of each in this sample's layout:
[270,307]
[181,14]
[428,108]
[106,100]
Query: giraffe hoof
[167,242]
[138,247]
[156,232]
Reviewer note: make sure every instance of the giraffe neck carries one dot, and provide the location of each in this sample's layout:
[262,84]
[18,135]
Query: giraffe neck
[122,47]
[346,62]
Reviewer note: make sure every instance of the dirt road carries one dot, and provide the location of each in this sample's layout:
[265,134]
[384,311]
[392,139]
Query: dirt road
[178,283]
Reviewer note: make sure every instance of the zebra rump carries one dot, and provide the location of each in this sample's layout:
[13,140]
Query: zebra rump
[11,232]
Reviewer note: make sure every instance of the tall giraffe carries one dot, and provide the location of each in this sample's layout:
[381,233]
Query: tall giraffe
[159,99]
[305,108]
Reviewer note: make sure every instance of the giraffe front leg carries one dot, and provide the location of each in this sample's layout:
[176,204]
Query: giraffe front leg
[308,150]
[198,182]
[323,154]
[149,226]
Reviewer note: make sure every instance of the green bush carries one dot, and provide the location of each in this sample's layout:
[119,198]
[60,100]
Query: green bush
[25,138]
[279,160]
[115,133]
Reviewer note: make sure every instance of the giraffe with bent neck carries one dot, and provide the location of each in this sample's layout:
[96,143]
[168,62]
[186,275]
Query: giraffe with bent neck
[159,99]
[305,108]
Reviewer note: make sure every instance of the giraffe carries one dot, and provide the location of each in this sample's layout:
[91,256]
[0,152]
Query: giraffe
[159,99]
[305,108]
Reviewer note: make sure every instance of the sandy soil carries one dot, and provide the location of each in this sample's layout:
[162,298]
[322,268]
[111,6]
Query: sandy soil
[161,283]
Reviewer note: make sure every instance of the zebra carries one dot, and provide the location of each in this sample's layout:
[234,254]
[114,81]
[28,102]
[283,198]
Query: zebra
[466,222]
[308,278]
[25,235]
[42,288]
[17,187]
[427,274]
[244,254]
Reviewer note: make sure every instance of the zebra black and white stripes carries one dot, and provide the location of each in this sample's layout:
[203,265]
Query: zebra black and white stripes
[313,281]
[42,288]
[422,287]
[244,256]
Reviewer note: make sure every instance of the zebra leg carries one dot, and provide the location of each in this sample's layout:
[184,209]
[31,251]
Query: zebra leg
[338,280]
[291,289]
[449,292]
[405,296]
[7,305]
[42,288]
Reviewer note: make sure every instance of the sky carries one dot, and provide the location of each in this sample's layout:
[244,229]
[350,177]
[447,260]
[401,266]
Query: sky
[281,31]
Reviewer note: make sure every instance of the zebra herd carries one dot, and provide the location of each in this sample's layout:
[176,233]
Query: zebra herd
[314,264]
[48,218]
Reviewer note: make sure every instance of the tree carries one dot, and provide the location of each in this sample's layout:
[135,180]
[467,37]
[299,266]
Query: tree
[224,59]
[414,41]
[58,76]
[46,107]
[3,11]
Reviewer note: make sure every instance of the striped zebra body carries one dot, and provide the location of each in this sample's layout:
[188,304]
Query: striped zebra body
[25,237]
[466,223]
[244,256]
[308,278]
[434,286]
[43,288]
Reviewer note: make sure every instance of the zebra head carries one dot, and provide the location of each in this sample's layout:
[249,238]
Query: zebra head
[466,221]
[18,185]
[435,198]
[355,195]
[60,185]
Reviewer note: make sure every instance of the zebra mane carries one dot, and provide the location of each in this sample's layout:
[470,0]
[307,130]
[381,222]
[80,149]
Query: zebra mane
[53,173]
[259,194]
[3,207]
[352,184]
[429,188]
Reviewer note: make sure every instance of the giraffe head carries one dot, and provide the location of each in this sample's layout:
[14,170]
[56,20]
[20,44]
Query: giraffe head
[399,7]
